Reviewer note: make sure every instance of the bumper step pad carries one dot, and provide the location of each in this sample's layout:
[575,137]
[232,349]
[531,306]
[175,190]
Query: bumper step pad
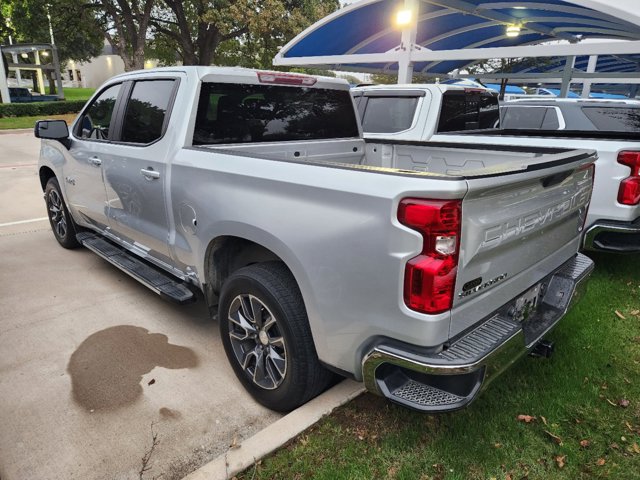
[452,378]
[160,282]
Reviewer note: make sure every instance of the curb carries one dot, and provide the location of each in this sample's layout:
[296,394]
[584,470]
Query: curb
[277,434]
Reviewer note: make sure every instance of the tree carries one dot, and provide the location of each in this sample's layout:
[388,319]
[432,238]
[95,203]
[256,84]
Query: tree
[74,29]
[507,65]
[75,35]
[125,25]
[391,78]
[234,32]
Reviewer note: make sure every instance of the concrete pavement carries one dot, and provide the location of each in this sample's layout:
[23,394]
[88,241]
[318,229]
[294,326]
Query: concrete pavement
[93,365]
[99,377]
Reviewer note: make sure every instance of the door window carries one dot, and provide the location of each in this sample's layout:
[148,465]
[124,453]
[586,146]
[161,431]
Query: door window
[146,111]
[96,120]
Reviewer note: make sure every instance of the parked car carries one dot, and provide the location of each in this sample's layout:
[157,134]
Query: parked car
[24,95]
[317,253]
[436,114]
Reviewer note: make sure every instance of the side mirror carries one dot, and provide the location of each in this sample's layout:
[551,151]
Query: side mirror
[51,129]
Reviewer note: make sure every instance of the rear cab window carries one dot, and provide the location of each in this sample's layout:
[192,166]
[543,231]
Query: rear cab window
[468,109]
[388,114]
[614,119]
[248,113]
[529,117]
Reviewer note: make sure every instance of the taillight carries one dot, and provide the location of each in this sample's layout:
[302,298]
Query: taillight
[629,191]
[429,278]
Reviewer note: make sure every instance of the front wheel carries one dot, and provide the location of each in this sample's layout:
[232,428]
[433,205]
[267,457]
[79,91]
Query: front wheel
[267,339]
[62,225]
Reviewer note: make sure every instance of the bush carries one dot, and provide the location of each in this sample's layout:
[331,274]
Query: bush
[40,108]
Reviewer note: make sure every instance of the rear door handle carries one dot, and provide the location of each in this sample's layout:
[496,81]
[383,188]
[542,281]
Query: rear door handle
[150,173]
[95,161]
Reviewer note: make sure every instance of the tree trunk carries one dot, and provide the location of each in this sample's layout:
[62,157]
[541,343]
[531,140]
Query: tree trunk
[503,88]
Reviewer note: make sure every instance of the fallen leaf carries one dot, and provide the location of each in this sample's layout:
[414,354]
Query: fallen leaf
[526,418]
[636,448]
[615,446]
[629,426]
[152,381]
[626,380]
[544,420]
[508,477]
[623,402]
[555,438]
[560,460]
[601,461]
[634,312]
[497,445]
[585,443]
[621,316]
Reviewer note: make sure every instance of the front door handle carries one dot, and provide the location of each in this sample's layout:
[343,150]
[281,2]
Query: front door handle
[150,173]
[95,161]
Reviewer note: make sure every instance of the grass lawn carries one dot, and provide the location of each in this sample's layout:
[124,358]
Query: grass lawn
[585,404]
[78,93]
[7,123]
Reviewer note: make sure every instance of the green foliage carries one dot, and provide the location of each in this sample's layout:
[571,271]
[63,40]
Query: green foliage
[40,108]
[584,403]
[391,78]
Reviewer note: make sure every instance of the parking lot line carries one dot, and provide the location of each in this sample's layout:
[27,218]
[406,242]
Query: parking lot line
[20,222]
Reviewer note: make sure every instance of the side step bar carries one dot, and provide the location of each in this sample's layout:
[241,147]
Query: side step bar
[160,282]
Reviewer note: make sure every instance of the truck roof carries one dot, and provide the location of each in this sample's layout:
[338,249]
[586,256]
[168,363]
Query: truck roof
[592,102]
[441,87]
[237,75]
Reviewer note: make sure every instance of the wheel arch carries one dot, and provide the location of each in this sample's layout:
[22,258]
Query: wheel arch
[227,253]
[45,173]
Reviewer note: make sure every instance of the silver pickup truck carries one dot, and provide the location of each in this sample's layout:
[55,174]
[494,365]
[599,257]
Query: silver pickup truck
[257,189]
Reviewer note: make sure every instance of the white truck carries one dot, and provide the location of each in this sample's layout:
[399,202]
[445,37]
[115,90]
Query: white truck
[257,189]
[452,114]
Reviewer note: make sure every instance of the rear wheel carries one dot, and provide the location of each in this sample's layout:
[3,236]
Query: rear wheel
[266,336]
[62,225]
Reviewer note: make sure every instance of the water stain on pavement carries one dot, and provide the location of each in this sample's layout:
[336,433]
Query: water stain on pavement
[107,368]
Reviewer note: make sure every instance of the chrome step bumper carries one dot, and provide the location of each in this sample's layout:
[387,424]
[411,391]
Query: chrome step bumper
[452,378]
[610,236]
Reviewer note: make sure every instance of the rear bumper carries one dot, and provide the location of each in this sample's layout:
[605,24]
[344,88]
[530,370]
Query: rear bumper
[452,378]
[612,236]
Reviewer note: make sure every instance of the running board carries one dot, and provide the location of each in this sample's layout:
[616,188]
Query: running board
[160,282]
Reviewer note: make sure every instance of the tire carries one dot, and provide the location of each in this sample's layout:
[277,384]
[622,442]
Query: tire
[272,353]
[62,225]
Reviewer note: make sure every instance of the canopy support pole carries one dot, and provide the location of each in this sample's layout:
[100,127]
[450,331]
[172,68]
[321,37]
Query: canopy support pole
[591,68]
[407,42]
[4,87]
[566,75]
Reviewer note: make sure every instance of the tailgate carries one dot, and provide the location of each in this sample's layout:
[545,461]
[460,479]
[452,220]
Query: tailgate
[517,228]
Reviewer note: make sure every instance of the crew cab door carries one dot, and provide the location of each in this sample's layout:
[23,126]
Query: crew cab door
[89,150]
[135,172]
